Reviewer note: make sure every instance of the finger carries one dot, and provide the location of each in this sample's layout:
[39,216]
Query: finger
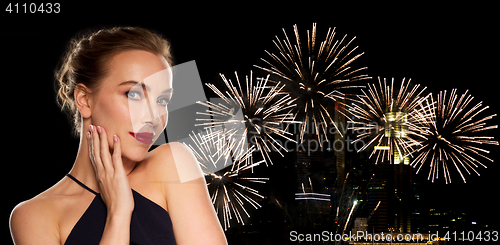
[95,150]
[91,151]
[104,149]
[117,154]
[89,145]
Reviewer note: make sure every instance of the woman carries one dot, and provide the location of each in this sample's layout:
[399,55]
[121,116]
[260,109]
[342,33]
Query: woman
[116,83]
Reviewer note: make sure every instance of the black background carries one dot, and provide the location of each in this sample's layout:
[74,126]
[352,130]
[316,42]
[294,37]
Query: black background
[441,47]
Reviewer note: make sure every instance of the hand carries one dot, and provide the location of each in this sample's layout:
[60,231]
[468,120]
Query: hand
[110,174]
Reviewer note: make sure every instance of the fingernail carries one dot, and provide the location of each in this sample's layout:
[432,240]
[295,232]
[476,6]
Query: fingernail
[115,138]
[91,127]
[88,135]
[99,129]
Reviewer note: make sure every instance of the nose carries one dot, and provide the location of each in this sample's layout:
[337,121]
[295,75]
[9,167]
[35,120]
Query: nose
[152,121]
[151,116]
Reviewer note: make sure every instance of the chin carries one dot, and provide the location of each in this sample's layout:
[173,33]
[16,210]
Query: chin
[135,153]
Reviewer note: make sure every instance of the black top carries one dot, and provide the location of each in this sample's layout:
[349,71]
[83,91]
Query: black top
[150,223]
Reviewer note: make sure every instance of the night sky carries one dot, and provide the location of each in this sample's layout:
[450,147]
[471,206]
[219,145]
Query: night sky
[441,47]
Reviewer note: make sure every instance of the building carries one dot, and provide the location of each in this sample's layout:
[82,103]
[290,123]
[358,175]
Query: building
[454,219]
[360,224]
[312,207]
[320,171]
[392,186]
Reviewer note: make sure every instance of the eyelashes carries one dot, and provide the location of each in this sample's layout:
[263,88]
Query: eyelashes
[162,101]
[133,95]
[136,95]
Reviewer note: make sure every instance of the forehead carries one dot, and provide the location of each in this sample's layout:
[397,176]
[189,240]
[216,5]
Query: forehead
[136,65]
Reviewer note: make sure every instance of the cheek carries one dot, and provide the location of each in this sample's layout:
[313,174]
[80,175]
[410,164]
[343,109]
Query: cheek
[135,109]
[164,118]
[112,113]
[138,113]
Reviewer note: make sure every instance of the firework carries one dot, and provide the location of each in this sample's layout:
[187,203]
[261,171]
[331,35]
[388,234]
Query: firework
[313,74]
[216,151]
[454,136]
[253,115]
[349,216]
[230,192]
[345,204]
[390,119]
[375,209]
[311,195]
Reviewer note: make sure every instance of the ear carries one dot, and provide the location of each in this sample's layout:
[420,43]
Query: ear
[82,100]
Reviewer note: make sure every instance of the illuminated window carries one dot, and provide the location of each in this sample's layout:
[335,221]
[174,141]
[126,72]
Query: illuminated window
[396,124]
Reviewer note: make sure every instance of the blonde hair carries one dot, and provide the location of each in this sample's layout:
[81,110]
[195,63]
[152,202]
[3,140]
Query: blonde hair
[86,61]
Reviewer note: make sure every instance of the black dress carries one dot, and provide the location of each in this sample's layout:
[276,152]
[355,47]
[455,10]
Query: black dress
[150,223]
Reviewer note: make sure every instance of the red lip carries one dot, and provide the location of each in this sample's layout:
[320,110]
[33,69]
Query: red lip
[144,137]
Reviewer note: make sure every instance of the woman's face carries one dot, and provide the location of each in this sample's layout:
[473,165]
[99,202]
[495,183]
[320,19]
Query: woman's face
[132,101]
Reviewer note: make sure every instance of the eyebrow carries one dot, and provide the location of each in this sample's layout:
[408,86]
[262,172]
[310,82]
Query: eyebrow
[144,86]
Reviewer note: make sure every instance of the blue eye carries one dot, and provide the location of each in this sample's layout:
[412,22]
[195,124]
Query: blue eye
[133,95]
[162,101]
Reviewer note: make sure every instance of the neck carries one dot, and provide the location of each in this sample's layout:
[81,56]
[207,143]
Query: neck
[83,169]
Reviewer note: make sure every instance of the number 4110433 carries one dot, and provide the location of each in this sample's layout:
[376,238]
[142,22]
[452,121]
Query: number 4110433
[32,8]
[485,236]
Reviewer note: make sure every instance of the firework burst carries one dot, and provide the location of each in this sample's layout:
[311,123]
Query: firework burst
[313,74]
[231,192]
[454,136]
[227,180]
[215,151]
[390,119]
[253,115]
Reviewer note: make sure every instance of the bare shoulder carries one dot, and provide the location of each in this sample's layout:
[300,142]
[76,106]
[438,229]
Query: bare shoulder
[189,205]
[34,221]
[175,162]
[48,217]
[167,150]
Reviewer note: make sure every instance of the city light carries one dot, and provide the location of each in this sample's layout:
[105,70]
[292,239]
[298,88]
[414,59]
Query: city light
[312,196]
